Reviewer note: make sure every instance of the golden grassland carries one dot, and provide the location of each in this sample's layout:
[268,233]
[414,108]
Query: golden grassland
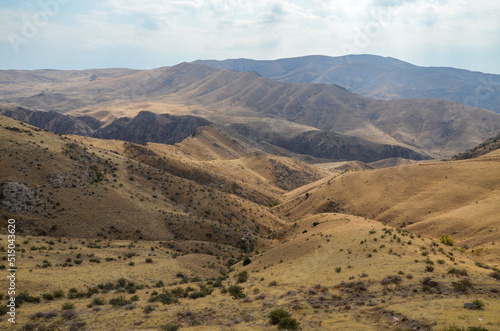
[345,248]
[300,275]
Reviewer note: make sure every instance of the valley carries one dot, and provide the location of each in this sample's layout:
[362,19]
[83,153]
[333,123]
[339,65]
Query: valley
[196,197]
[212,233]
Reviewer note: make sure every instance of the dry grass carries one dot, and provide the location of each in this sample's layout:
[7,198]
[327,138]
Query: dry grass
[325,268]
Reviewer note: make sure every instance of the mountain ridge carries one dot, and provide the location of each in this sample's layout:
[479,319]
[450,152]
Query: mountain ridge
[431,127]
[378,77]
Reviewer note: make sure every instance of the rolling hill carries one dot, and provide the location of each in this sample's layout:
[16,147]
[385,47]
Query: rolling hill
[456,198]
[211,233]
[378,77]
[429,127]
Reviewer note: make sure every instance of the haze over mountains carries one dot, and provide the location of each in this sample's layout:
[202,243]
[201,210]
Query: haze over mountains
[287,116]
[378,77]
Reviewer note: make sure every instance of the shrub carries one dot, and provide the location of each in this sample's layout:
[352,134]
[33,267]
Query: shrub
[134,298]
[100,301]
[243,276]
[462,285]
[58,294]
[429,268]
[48,296]
[50,314]
[169,327]
[338,269]
[77,325]
[37,315]
[277,315]
[3,310]
[495,275]
[247,261]
[391,279]
[122,282]
[273,283]
[149,260]
[455,271]
[68,306]
[447,240]
[119,301]
[165,298]
[25,297]
[479,304]
[236,291]
[69,314]
[288,323]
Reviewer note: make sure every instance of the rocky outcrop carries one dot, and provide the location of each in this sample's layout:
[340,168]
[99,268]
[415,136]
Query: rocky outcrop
[18,198]
[149,127]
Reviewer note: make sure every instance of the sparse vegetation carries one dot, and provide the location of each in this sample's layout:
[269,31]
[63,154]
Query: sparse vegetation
[243,276]
[169,327]
[236,292]
[68,306]
[119,301]
[447,240]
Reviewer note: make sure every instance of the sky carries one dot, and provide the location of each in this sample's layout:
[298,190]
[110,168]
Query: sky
[145,34]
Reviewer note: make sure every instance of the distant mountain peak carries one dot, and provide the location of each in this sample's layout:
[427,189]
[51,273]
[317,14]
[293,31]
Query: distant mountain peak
[377,77]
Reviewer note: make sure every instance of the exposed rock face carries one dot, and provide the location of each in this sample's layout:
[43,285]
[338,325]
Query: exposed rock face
[88,169]
[246,244]
[150,127]
[53,121]
[18,198]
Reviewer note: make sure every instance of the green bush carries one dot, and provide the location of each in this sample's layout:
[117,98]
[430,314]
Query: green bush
[58,294]
[100,301]
[134,298]
[236,291]
[288,323]
[462,285]
[68,306]
[243,276]
[247,261]
[165,298]
[277,315]
[169,327]
[455,271]
[447,240]
[479,304]
[48,296]
[119,301]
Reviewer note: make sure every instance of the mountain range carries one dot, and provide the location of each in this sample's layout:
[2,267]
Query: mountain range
[378,77]
[284,115]
[197,198]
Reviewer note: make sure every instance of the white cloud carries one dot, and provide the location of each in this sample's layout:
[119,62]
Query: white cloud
[191,29]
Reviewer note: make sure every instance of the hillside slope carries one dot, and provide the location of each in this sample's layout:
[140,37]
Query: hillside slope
[457,198]
[125,191]
[430,127]
[378,77]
